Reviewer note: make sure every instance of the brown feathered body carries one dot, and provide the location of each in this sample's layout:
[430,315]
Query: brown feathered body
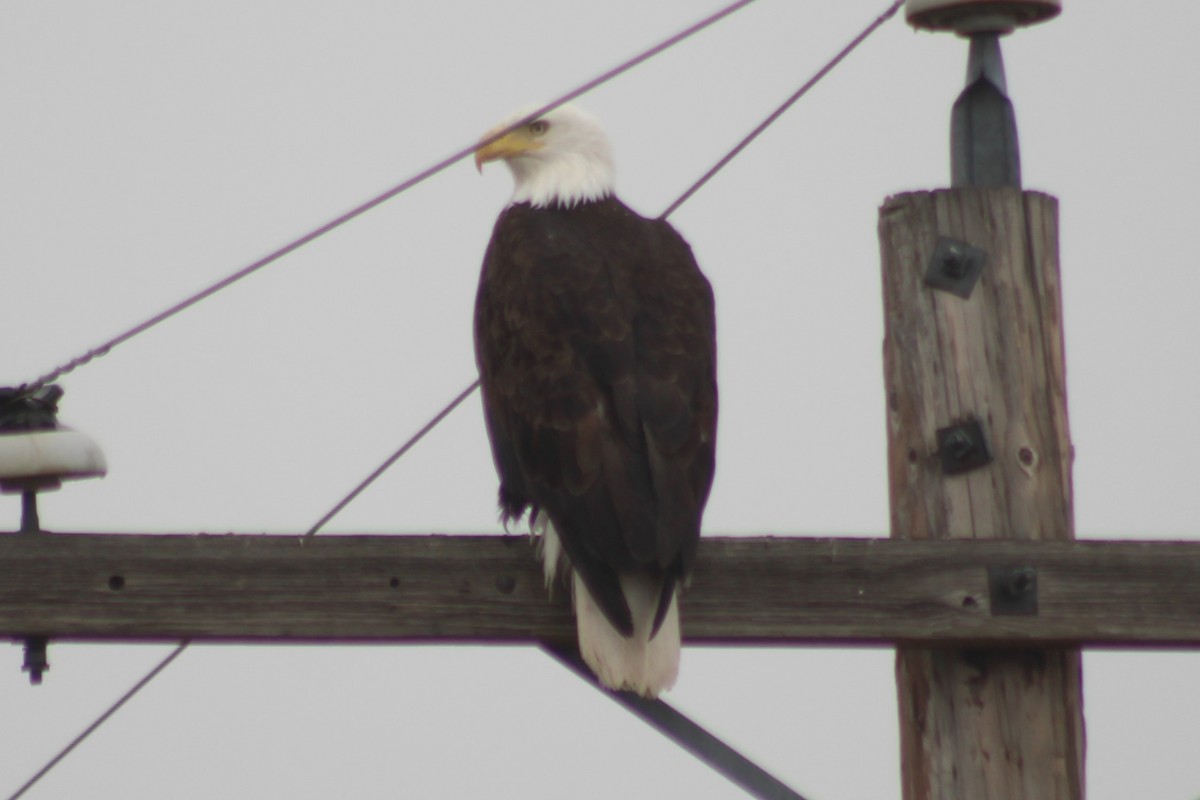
[596,346]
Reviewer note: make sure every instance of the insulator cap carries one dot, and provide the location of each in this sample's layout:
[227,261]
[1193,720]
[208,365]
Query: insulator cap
[43,459]
[965,17]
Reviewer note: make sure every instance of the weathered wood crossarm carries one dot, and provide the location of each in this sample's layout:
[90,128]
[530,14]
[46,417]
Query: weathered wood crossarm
[746,591]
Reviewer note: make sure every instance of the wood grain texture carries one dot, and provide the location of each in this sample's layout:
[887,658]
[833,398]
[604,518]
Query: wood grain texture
[981,724]
[488,588]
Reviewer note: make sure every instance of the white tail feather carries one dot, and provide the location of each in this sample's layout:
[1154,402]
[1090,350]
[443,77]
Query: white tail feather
[636,663]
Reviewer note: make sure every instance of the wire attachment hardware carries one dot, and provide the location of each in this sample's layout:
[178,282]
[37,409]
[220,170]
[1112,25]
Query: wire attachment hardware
[1013,590]
[36,455]
[963,447]
[36,661]
[955,267]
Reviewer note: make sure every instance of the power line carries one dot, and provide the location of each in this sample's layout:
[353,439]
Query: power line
[359,210]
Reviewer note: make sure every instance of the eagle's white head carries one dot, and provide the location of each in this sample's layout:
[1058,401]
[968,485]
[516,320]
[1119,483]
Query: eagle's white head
[561,158]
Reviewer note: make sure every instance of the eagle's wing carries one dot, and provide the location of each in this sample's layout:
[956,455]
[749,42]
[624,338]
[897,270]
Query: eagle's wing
[597,363]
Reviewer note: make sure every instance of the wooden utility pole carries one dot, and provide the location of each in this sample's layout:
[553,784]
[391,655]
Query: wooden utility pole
[978,444]
[981,723]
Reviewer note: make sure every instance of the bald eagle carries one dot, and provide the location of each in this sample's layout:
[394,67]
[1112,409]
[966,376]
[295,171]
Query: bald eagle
[595,339]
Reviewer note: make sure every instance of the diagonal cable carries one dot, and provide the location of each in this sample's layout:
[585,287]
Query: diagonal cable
[779,112]
[686,733]
[100,720]
[393,458]
[359,210]
[657,713]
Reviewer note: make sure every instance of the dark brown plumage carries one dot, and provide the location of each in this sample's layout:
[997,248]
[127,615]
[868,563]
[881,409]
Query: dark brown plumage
[595,340]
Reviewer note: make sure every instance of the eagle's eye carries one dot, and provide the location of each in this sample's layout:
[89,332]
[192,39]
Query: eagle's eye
[539,127]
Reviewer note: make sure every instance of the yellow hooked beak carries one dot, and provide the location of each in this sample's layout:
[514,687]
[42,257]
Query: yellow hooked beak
[510,145]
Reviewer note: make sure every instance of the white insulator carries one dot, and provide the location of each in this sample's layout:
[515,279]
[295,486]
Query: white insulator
[978,16]
[42,459]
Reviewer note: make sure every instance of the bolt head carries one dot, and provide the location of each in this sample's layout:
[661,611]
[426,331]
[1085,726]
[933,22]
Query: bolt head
[955,267]
[963,447]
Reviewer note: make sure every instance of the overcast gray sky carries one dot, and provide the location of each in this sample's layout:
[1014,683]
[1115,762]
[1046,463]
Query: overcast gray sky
[149,149]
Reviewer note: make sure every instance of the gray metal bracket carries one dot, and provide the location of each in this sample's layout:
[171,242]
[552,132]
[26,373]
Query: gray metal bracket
[983,126]
[955,266]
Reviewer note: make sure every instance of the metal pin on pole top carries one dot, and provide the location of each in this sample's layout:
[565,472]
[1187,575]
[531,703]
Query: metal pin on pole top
[983,127]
